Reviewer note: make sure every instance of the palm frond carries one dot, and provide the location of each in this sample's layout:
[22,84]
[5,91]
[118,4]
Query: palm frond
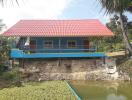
[115,6]
[130,7]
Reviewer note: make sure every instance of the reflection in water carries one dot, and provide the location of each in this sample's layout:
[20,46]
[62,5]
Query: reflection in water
[114,97]
[103,90]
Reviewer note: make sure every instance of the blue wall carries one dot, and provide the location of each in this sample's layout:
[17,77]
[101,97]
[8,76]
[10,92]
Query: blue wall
[40,44]
[41,40]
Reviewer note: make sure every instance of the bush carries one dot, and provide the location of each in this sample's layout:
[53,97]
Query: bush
[126,67]
[9,75]
[1,68]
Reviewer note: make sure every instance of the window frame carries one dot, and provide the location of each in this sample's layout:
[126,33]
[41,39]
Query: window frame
[48,41]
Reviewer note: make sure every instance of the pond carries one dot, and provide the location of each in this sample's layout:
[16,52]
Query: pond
[89,90]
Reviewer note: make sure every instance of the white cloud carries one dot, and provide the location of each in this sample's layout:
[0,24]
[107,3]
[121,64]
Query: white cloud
[33,9]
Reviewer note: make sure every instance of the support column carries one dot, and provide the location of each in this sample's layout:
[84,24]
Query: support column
[21,62]
[13,60]
[104,60]
[59,59]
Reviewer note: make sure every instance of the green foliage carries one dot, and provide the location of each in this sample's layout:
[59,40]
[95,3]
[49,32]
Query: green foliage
[2,67]
[5,46]
[126,67]
[119,46]
[119,7]
[9,75]
[116,6]
[130,30]
[116,42]
[4,50]
[48,90]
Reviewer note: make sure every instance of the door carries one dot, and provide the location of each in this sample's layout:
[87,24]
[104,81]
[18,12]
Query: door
[33,46]
[86,45]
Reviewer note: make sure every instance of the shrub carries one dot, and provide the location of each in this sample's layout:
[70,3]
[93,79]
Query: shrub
[1,68]
[126,67]
[9,75]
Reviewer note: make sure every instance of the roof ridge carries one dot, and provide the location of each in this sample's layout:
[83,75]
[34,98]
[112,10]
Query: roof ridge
[57,19]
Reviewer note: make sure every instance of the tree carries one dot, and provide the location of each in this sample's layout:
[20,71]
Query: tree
[119,7]
[3,45]
[117,41]
[4,50]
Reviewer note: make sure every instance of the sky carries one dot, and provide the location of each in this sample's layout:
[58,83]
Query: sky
[53,9]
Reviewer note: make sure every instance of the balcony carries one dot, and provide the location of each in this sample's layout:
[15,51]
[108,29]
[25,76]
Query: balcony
[56,53]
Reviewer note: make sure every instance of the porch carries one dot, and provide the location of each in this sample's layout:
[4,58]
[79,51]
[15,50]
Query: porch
[16,53]
[55,47]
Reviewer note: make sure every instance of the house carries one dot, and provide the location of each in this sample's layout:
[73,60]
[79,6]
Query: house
[57,39]
[59,49]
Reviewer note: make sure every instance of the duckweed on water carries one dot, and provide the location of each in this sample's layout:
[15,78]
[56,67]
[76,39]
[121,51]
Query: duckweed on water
[49,90]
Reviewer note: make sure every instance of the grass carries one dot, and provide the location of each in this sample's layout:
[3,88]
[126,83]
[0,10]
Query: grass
[48,90]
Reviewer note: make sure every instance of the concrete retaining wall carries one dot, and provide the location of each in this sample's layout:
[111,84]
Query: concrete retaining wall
[61,69]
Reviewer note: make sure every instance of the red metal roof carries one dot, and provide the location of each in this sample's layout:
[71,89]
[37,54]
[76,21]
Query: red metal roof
[59,28]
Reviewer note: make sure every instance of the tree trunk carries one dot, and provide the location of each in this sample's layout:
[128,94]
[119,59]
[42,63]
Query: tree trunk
[125,36]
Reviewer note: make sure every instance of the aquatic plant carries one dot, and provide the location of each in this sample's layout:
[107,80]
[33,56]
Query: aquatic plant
[49,90]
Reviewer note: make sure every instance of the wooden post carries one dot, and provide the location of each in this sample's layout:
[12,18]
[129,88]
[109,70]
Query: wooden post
[10,64]
[22,62]
[59,60]
[13,62]
[104,60]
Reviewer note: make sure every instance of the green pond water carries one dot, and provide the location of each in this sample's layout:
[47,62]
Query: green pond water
[102,90]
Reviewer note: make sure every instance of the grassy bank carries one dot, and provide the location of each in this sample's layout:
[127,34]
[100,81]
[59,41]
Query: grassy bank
[49,90]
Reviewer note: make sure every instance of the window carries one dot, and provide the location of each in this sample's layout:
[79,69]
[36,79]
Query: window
[71,44]
[48,44]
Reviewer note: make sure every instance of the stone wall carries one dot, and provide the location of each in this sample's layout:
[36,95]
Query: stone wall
[61,69]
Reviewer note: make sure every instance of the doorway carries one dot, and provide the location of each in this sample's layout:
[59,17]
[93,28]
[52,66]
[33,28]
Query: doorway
[33,46]
[86,45]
